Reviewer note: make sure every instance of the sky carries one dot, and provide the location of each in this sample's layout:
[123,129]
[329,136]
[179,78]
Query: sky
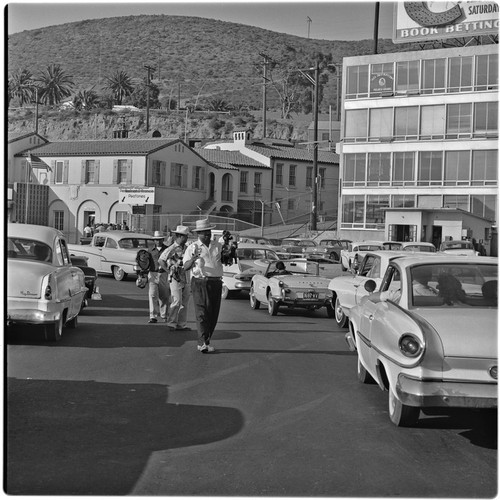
[329,20]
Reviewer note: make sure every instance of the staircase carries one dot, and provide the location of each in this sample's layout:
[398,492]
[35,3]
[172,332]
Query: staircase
[204,208]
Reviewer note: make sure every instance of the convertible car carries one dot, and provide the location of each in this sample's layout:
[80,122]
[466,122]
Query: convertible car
[429,337]
[43,287]
[293,283]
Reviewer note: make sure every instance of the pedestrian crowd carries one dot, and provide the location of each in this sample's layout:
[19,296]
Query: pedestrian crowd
[178,272]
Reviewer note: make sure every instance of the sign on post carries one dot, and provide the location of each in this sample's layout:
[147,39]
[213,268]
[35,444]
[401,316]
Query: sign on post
[137,196]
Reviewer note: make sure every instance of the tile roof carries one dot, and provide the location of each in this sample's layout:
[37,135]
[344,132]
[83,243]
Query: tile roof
[295,154]
[103,147]
[232,159]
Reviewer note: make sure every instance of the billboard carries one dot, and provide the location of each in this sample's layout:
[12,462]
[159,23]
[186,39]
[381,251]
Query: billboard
[428,21]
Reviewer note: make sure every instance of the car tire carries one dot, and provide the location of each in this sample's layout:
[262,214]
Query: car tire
[254,303]
[118,273]
[72,323]
[400,414]
[334,256]
[363,376]
[330,311]
[272,305]
[53,331]
[340,316]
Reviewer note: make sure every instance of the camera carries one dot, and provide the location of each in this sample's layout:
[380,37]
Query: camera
[228,249]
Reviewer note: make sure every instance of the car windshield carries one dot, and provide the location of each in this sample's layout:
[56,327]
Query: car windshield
[454,285]
[369,248]
[133,243]
[28,249]
[419,248]
[458,245]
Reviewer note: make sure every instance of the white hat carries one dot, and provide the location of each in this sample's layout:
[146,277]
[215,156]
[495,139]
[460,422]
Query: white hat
[203,225]
[184,230]
[158,235]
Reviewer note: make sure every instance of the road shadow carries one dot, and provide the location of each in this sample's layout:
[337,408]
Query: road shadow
[90,438]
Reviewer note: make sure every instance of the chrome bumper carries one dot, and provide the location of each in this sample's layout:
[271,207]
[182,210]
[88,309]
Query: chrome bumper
[32,316]
[420,393]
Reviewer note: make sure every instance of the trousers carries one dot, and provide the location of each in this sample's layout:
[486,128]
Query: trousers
[179,299]
[159,294]
[206,299]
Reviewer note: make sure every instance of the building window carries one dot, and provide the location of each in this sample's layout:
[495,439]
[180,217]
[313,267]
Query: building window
[403,169]
[354,169]
[290,204]
[487,72]
[382,79]
[279,174]
[257,183]
[322,173]
[486,119]
[457,168]
[357,82]
[375,213]
[456,201]
[433,76]
[123,172]
[121,218]
[243,181]
[59,173]
[379,169]
[459,120]
[156,173]
[199,178]
[292,175]
[460,74]
[90,172]
[407,76]
[430,168]
[432,122]
[380,123]
[355,125]
[353,210]
[178,175]
[309,177]
[403,201]
[406,122]
[59,219]
[484,206]
[484,167]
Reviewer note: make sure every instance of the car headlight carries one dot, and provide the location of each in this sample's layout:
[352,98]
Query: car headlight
[410,345]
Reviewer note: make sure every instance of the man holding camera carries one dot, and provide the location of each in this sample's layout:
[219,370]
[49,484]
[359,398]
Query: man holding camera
[171,260]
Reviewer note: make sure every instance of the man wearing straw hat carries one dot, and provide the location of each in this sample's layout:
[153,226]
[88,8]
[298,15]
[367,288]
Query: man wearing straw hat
[159,288]
[203,259]
[180,290]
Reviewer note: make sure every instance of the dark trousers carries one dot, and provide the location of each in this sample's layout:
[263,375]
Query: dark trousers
[206,295]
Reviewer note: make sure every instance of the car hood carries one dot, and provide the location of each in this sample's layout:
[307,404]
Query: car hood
[470,332]
[24,278]
[303,281]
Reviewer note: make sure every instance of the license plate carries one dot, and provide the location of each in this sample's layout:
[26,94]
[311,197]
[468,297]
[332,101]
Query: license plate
[311,295]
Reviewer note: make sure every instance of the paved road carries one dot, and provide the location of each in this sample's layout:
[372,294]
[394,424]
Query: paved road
[122,407]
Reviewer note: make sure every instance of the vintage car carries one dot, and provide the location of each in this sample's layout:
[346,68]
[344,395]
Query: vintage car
[429,337]
[458,247]
[298,245]
[331,248]
[114,252]
[294,283]
[355,252]
[260,240]
[418,246]
[90,278]
[347,290]
[252,258]
[43,288]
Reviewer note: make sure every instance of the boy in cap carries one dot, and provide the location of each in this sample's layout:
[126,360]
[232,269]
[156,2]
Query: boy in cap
[159,289]
[203,259]
[171,262]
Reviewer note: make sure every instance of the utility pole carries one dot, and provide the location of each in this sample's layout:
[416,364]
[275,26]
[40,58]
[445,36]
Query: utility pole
[148,83]
[314,211]
[309,21]
[267,60]
[375,28]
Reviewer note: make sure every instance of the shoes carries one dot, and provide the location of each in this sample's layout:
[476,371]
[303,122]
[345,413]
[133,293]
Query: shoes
[183,328]
[153,320]
[205,348]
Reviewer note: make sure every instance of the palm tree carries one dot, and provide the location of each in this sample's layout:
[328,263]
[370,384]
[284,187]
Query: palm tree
[21,86]
[55,85]
[86,99]
[120,85]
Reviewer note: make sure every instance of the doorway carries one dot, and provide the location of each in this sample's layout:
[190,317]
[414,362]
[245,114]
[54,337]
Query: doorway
[437,234]
[402,232]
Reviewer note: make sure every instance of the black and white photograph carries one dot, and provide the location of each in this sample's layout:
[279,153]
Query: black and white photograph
[252,249]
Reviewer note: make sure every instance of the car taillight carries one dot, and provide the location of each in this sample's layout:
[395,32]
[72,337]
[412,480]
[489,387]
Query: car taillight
[48,293]
[493,371]
[410,345]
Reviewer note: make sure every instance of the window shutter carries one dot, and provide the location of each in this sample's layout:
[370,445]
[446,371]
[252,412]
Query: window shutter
[163,173]
[129,172]
[53,173]
[97,169]
[202,178]
[172,174]
[84,171]
[184,176]
[193,180]
[115,171]
[65,171]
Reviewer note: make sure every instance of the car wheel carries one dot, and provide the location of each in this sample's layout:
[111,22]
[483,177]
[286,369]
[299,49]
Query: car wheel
[53,331]
[401,414]
[334,256]
[118,273]
[363,376]
[272,305]
[330,311]
[340,316]
[73,323]
[254,303]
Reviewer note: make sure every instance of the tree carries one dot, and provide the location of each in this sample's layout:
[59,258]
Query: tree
[120,85]
[139,96]
[86,99]
[21,87]
[54,85]
[217,104]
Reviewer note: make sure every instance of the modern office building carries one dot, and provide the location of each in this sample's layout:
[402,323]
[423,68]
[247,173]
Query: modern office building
[419,146]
